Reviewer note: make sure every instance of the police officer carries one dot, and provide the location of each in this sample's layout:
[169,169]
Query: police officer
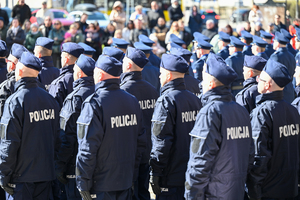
[176,40]
[28,144]
[253,66]
[7,87]
[203,49]
[146,94]
[3,65]
[113,52]
[173,118]
[120,44]
[63,85]
[224,40]
[110,137]
[246,38]
[220,148]
[268,38]
[194,57]
[275,129]
[88,50]
[155,60]
[191,83]
[150,73]
[288,36]
[236,62]
[43,50]
[83,87]
[283,56]
[258,47]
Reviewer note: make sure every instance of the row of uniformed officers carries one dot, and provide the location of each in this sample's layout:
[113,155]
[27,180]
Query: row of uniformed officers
[104,131]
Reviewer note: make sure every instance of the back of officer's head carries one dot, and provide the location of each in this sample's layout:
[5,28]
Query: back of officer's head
[28,66]
[274,77]
[216,73]
[70,53]
[172,67]
[253,66]
[107,68]
[134,60]
[84,67]
[43,47]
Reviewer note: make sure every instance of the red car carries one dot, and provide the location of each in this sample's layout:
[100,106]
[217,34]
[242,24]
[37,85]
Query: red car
[61,15]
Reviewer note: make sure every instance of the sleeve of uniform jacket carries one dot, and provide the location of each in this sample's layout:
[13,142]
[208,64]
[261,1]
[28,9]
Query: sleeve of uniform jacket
[162,135]
[11,129]
[5,91]
[261,132]
[206,138]
[90,134]
[68,134]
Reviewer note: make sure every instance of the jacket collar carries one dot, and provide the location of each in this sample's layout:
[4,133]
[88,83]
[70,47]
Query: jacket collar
[27,82]
[46,61]
[3,63]
[66,69]
[176,84]
[276,96]
[250,81]
[10,74]
[221,93]
[109,84]
[238,53]
[84,82]
[135,75]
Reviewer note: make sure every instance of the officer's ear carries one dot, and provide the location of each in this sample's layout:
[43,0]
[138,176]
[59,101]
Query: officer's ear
[101,76]
[250,73]
[169,76]
[129,65]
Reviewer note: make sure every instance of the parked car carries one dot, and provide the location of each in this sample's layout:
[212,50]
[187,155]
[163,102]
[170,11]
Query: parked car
[101,18]
[242,14]
[209,14]
[8,11]
[86,7]
[61,15]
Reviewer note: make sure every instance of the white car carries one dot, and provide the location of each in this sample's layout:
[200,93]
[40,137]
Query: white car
[101,18]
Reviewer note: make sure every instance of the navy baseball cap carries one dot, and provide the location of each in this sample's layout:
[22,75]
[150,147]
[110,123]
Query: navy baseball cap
[255,62]
[246,35]
[110,65]
[113,52]
[200,36]
[286,34]
[259,41]
[141,46]
[216,66]
[176,40]
[17,50]
[137,56]
[186,54]
[44,42]
[174,63]
[278,72]
[72,48]
[144,39]
[173,45]
[31,61]
[280,38]
[224,37]
[203,44]
[120,43]
[266,35]
[3,48]
[88,50]
[236,42]
[86,64]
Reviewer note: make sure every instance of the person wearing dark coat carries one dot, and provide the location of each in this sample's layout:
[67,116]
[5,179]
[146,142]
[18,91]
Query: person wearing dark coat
[175,12]
[146,94]
[247,39]
[211,29]
[288,36]
[268,38]
[278,24]
[63,84]
[253,65]
[4,14]
[224,40]
[220,149]
[275,132]
[173,118]
[283,56]
[155,60]
[153,15]
[137,31]
[21,11]
[15,34]
[3,64]
[3,29]
[195,21]
[258,47]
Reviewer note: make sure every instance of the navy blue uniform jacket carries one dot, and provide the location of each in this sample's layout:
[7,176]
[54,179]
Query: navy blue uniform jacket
[154,59]
[3,70]
[198,67]
[269,50]
[150,73]
[224,53]
[247,50]
[48,72]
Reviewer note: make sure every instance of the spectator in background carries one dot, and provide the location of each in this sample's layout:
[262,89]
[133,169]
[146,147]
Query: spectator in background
[31,37]
[108,34]
[255,16]
[173,30]
[138,30]
[21,11]
[3,29]
[4,14]
[229,31]
[160,31]
[270,28]
[185,35]
[82,22]
[26,26]
[15,34]
[277,23]
[175,12]
[118,34]
[210,30]
[46,27]
[153,15]
[138,14]
[247,27]
[92,39]
[57,34]
[126,30]
[195,21]
[76,35]
[258,28]
[288,18]
[239,29]
[157,49]
[42,13]
[117,15]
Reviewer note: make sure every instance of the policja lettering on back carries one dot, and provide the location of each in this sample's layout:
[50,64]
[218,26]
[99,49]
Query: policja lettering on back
[41,115]
[147,104]
[288,130]
[124,120]
[189,116]
[238,132]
